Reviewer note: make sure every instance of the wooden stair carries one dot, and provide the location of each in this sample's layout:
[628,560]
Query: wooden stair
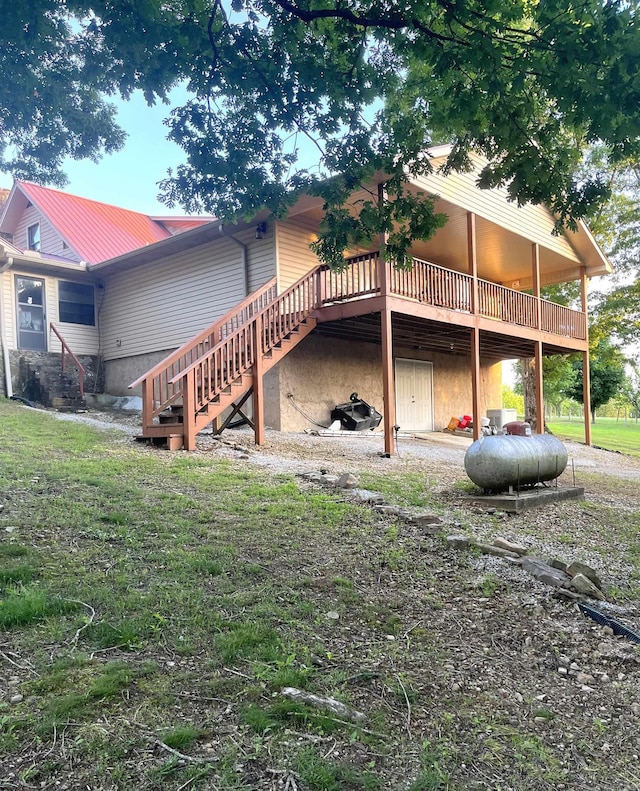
[219,368]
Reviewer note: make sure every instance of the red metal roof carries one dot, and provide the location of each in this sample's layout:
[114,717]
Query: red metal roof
[96,231]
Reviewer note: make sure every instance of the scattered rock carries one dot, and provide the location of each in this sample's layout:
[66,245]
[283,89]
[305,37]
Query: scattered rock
[491,549]
[581,568]
[347,481]
[331,480]
[458,541]
[545,573]
[391,510]
[584,585]
[16,699]
[365,496]
[333,615]
[516,549]
[315,477]
[426,520]
[335,707]
[558,564]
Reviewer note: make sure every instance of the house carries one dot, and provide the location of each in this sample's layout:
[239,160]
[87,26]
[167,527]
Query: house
[199,316]
[199,322]
[50,300]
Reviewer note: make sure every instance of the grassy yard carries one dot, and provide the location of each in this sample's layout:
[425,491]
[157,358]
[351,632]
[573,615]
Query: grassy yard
[153,606]
[606,432]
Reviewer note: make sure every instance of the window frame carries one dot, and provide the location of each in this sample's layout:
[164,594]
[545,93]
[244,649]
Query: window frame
[64,314]
[34,237]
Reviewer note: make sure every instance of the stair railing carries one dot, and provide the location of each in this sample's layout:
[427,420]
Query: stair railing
[66,349]
[161,386]
[216,370]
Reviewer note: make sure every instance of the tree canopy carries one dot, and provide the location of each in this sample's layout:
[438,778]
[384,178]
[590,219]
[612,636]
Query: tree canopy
[369,86]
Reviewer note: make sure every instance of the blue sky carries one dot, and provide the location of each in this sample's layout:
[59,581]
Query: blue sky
[129,177]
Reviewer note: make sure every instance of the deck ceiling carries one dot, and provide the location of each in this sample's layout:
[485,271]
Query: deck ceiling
[411,332]
[503,253]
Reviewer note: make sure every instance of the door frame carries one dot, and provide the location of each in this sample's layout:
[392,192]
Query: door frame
[429,365]
[18,305]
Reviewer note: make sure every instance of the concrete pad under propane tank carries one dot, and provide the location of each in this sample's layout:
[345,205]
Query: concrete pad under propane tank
[499,462]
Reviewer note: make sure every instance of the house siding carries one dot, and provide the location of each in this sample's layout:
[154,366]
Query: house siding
[50,239]
[295,258]
[323,372]
[82,339]
[534,223]
[152,309]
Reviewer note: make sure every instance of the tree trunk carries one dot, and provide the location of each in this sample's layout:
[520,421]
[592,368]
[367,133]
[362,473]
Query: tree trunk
[529,389]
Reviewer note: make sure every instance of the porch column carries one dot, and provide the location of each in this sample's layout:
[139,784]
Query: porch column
[388,380]
[535,280]
[472,259]
[258,385]
[475,381]
[586,378]
[383,264]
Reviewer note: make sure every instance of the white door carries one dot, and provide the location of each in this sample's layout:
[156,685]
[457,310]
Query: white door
[414,395]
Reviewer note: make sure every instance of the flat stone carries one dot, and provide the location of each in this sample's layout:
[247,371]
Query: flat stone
[427,520]
[558,564]
[581,568]
[390,510]
[347,481]
[584,585]
[499,552]
[517,549]
[16,699]
[545,573]
[572,595]
[329,479]
[311,476]
[365,496]
[458,541]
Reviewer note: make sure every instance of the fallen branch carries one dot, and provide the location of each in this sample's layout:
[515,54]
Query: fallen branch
[76,637]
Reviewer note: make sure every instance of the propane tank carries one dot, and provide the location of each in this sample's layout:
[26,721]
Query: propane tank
[496,463]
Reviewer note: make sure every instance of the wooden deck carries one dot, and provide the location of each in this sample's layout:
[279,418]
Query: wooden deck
[435,293]
[217,368]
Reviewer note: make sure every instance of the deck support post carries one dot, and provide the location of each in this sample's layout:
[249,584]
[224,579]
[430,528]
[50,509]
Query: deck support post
[147,402]
[475,381]
[586,377]
[539,388]
[472,258]
[388,380]
[535,280]
[189,410]
[258,385]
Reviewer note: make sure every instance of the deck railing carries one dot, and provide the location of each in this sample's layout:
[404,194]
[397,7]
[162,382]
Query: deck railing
[237,353]
[66,350]
[436,285]
[162,386]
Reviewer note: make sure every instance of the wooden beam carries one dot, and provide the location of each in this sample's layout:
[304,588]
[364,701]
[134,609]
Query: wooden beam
[539,389]
[189,410]
[388,380]
[475,381]
[384,271]
[258,385]
[535,279]
[586,391]
[586,377]
[472,258]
